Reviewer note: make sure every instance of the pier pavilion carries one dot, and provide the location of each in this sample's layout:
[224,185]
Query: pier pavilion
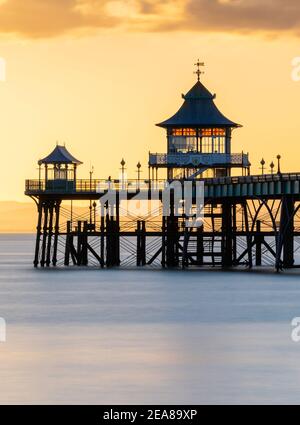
[198,139]
[249,220]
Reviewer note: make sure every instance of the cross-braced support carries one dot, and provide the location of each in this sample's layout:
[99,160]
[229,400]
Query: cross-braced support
[239,232]
[48,214]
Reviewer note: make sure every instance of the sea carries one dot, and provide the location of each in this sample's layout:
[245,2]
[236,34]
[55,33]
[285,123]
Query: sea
[139,336]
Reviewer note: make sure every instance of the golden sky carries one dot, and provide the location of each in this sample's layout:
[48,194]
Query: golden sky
[98,74]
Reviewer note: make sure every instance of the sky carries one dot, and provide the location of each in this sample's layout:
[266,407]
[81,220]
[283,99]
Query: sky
[97,76]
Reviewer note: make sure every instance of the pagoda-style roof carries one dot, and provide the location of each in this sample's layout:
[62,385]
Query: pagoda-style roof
[60,155]
[198,110]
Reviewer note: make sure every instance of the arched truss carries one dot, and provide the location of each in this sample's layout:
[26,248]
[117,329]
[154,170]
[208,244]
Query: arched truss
[264,203]
[254,242]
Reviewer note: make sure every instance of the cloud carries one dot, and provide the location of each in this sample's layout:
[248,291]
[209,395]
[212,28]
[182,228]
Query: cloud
[243,15]
[49,18]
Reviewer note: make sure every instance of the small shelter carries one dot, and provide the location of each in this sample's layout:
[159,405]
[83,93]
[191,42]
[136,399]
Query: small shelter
[60,168]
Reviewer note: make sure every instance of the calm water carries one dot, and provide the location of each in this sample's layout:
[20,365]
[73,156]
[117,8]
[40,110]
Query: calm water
[113,336]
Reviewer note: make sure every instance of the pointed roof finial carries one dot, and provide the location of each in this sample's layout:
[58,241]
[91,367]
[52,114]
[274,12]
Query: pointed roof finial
[199,72]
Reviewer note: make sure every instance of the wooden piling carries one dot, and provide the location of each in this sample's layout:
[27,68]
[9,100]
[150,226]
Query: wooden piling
[200,247]
[286,233]
[258,239]
[227,234]
[56,232]
[45,228]
[68,244]
[38,234]
[50,233]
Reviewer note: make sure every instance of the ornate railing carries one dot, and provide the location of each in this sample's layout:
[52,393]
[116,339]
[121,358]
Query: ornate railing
[90,185]
[99,185]
[193,159]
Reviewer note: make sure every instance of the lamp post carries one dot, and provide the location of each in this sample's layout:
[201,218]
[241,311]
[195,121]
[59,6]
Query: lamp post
[91,176]
[138,165]
[123,171]
[40,175]
[262,162]
[278,162]
[91,180]
[272,165]
[95,205]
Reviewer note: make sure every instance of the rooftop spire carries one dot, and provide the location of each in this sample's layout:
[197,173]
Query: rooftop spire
[199,72]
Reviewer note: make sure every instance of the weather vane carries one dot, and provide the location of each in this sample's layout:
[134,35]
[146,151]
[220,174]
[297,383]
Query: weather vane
[199,72]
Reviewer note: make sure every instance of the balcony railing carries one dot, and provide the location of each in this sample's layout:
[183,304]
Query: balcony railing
[193,159]
[88,186]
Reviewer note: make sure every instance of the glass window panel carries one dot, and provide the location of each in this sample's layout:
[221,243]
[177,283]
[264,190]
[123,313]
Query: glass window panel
[184,132]
[182,144]
[206,132]
[219,132]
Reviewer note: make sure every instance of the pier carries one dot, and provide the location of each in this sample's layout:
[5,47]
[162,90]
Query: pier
[248,220]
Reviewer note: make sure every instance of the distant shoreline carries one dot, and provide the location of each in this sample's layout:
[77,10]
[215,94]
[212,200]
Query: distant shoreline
[17,233]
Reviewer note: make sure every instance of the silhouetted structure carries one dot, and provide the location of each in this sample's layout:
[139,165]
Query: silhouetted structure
[198,140]
[249,220]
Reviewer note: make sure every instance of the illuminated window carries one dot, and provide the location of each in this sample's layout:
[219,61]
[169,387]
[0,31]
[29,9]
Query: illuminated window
[206,145]
[206,132]
[210,140]
[189,132]
[177,132]
[184,132]
[219,132]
